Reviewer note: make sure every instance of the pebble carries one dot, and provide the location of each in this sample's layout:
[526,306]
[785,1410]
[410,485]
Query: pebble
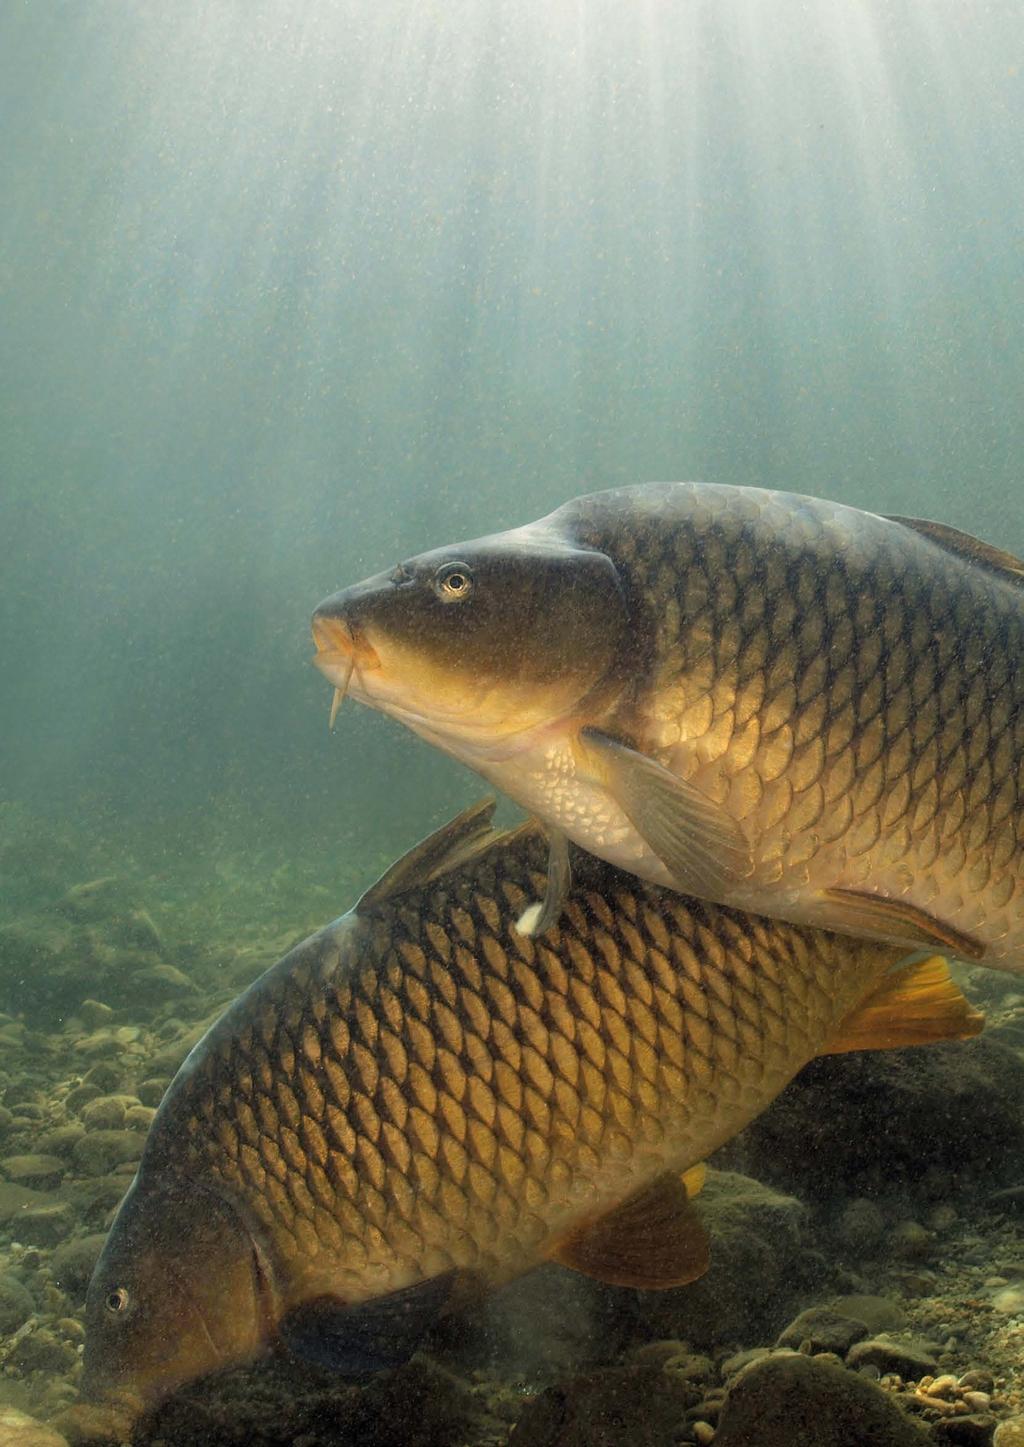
[1009,1301]
[16,1304]
[943,1386]
[861,1224]
[80,1094]
[910,1240]
[106,1112]
[156,984]
[1009,1433]
[29,1110]
[47,1225]
[93,899]
[101,1045]
[825,1329]
[105,1075]
[908,1360]
[101,1151]
[969,1431]
[941,1218]
[41,1351]
[139,928]
[17,1429]
[879,1313]
[39,1172]
[151,1092]
[72,1264]
[790,1400]
[93,1014]
[735,1364]
[139,1117]
[61,1139]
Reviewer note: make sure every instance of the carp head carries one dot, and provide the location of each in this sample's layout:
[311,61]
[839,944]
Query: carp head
[177,1293]
[482,642]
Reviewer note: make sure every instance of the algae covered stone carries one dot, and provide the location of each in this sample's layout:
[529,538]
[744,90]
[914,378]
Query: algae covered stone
[791,1400]
[640,1405]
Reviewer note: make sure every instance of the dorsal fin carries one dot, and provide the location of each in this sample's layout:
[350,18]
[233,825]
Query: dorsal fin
[970,549]
[462,838]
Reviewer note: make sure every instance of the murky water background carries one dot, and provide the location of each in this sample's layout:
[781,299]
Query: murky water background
[291,292]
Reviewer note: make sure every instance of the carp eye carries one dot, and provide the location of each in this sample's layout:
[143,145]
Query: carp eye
[117,1300]
[453,582]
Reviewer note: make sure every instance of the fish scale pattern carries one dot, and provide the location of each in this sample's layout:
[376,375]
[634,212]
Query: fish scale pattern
[421,1087]
[848,689]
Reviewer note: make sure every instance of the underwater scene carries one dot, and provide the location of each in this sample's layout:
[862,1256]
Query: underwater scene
[512,769]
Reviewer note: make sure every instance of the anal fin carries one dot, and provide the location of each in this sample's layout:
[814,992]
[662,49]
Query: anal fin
[917,1004]
[701,845]
[654,1240]
[898,921]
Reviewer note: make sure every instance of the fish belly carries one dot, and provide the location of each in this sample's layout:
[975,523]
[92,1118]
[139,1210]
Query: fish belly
[549,783]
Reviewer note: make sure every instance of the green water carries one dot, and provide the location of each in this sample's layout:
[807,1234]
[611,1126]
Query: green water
[290,292]
[293,289]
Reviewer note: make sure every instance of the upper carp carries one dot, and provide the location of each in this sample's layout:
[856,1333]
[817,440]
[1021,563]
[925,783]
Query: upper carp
[419,1102]
[766,700]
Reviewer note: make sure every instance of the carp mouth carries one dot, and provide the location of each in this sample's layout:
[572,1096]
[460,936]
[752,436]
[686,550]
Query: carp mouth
[340,652]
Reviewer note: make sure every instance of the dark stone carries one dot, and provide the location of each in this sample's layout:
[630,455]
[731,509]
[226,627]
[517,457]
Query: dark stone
[151,1092]
[910,1360]
[41,1351]
[16,1305]
[967,1097]
[825,1329]
[283,1402]
[978,1380]
[105,1075]
[793,1400]
[975,1430]
[72,1264]
[46,1225]
[879,1313]
[639,1405]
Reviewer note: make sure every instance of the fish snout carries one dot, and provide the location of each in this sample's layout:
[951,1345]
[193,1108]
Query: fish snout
[340,642]
[335,643]
[340,650]
[107,1419]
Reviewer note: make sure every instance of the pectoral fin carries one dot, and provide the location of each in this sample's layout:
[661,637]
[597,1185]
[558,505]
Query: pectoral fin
[702,847]
[654,1240]
[371,1335]
[898,921]
[536,919]
[918,1004]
